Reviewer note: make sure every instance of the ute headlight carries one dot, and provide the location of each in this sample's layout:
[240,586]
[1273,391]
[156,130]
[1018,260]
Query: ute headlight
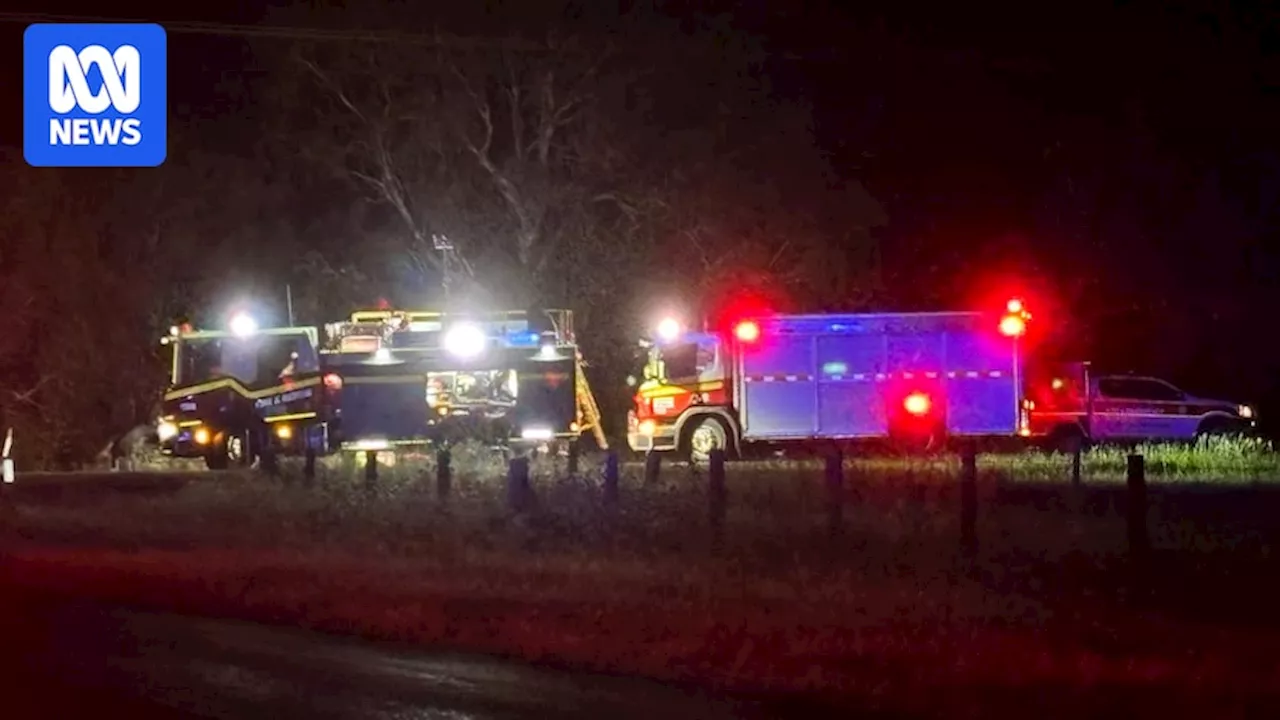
[1246,411]
[166,430]
[465,340]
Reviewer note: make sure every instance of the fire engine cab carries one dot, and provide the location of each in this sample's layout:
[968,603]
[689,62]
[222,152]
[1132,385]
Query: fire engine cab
[785,379]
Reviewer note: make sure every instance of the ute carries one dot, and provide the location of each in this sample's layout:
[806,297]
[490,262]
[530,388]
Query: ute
[911,378]
[407,378]
[1124,408]
[239,395]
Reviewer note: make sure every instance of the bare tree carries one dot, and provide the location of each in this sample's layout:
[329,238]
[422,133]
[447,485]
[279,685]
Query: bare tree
[505,151]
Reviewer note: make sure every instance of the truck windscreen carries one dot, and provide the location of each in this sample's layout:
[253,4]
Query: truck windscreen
[259,361]
[680,361]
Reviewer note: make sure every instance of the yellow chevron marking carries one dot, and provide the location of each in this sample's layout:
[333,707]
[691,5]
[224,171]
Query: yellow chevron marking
[293,416]
[239,388]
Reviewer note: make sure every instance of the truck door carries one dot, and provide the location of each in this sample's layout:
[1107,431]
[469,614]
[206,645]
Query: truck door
[1140,409]
[690,365]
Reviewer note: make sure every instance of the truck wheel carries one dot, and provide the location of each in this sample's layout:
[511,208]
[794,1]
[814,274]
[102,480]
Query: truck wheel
[237,446]
[707,434]
[231,450]
[1066,439]
[1215,428]
[917,445]
[215,459]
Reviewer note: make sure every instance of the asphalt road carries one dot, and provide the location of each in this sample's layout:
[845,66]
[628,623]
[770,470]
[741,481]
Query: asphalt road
[65,658]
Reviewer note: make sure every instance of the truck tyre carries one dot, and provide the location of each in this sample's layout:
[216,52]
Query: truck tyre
[1066,439]
[922,445]
[1215,427]
[705,434]
[216,457]
[232,450]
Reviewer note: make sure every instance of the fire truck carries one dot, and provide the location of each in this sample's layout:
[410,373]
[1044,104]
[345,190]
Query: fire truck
[403,379]
[380,381]
[237,395]
[914,379]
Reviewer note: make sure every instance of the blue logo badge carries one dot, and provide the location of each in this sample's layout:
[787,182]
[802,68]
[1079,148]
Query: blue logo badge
[94,95]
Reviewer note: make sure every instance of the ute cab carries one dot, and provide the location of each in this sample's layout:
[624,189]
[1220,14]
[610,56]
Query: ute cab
[781,379]
[1127,408]
[236,395]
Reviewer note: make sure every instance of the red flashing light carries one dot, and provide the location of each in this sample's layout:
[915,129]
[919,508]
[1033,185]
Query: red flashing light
[1013,326]
[917,404]
[333,381]
[1015,306]
[747,331]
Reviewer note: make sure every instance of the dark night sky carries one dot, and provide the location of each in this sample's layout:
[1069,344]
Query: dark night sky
[976,126]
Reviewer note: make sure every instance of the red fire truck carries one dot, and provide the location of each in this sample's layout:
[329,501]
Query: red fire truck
[778,379]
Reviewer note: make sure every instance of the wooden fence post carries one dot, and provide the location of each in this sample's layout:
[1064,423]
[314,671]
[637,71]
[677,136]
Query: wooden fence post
[611,479]
[652,467]
[370,469]
[518,489]
[969,498]
[309,468]
[575,453]
[835,491]
[718,498]
[1139,541]
[444,475]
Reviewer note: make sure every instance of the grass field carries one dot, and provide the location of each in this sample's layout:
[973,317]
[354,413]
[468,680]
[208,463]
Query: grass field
[888,612]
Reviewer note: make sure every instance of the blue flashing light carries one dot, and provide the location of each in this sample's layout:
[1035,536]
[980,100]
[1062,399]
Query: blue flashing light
[523,339]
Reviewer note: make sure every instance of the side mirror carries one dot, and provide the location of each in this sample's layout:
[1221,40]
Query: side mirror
[631,381]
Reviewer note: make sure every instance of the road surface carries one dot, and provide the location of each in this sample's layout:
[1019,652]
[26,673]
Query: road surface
[65,658]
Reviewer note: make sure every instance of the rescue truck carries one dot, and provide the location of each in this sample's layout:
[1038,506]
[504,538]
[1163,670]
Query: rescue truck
[236,395]
[401,379]
[1125,408]
[914,379]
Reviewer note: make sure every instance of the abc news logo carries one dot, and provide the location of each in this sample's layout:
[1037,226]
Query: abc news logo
[94,95]
[69,89]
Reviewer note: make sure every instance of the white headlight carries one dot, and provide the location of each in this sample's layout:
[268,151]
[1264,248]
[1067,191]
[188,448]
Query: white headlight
[1246,411]
[165,430]
[465,341]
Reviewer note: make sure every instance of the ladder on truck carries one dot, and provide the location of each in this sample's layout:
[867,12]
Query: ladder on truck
[588,410]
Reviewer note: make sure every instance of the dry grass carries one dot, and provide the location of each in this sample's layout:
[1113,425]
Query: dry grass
[783,605]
